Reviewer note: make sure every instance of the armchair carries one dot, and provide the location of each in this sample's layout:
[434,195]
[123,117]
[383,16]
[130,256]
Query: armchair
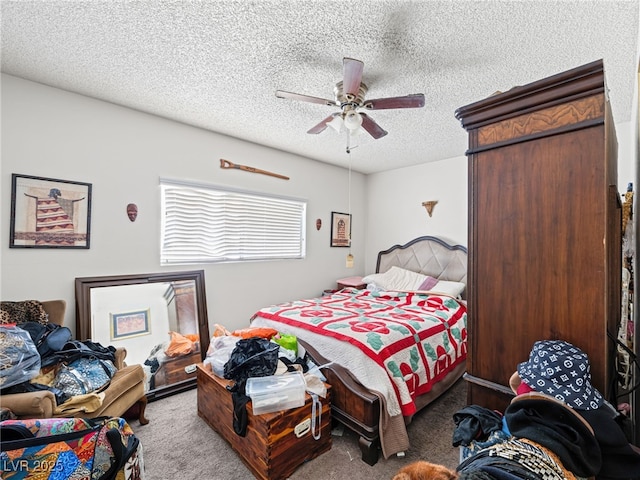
[125,390]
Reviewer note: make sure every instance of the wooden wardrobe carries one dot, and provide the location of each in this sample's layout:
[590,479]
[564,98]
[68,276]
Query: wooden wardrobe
[544,228]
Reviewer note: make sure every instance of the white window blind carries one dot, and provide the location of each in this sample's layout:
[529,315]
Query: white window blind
[206,223]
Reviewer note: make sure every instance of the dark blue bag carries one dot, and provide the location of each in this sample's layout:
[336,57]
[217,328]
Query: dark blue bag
[48,338]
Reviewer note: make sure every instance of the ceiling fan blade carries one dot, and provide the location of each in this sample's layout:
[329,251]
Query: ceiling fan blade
[415,100]
[305,98]
[323,124]
[352,76]
[375,130]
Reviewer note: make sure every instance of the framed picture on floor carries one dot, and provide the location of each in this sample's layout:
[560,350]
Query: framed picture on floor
[49,213]
[340,229]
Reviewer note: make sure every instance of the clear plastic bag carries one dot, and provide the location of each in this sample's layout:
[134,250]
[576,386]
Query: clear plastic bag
[20,360]
[219,352]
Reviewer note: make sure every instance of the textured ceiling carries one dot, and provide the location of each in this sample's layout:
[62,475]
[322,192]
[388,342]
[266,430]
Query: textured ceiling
[217,64]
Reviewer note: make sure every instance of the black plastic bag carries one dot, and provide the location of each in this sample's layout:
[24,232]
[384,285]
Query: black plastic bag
[252,357]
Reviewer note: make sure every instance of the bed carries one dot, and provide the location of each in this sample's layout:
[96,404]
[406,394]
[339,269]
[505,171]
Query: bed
[386,352]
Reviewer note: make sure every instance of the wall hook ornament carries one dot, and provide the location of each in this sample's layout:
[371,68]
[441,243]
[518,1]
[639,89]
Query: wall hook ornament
[318,224]
[429,206]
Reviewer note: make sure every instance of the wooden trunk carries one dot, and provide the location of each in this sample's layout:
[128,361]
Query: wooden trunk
[173,370]
[270,449]
[544,228]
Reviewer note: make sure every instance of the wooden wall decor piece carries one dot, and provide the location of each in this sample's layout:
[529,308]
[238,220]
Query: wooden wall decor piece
[227,164]
[429,206]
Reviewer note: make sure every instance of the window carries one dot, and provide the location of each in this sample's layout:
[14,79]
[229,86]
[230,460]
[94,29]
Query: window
[208,223]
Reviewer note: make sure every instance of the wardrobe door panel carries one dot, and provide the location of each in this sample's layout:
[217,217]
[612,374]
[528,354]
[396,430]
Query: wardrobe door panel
[544,228]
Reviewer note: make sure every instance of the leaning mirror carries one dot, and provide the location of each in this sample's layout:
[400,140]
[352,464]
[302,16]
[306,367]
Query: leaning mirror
[160,318]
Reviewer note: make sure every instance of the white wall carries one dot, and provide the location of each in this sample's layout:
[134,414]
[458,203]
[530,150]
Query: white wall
[51,133]
[627,135]
[395,212]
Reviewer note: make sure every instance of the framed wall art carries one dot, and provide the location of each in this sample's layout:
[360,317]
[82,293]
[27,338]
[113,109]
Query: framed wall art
[49,213]
[340,229]
[129,324]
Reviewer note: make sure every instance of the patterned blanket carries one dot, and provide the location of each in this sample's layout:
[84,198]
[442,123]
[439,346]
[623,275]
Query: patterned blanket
[417,338]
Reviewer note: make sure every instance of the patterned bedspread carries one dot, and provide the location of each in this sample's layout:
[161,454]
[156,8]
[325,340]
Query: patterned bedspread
[416,338]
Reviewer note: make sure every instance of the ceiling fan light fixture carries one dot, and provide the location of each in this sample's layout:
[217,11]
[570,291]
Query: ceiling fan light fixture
[352,120]
[349,96]
[336,123]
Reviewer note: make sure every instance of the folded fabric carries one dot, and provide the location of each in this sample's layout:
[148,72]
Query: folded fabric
[476,445]
[23,311]
[552,424]
[474,423]
[428,283]
[81,404]
[46,376]
[619,459]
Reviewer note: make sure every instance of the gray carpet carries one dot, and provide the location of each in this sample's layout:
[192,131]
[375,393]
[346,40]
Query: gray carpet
[177,443]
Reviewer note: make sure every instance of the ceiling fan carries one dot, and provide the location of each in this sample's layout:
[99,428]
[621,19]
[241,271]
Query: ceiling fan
[350,97]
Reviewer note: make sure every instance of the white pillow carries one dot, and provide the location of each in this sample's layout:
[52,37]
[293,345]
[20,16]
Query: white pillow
[372,279]
[396,278]
[454,289]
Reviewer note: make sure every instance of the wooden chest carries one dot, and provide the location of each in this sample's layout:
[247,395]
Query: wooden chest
[173,370]
[271,449]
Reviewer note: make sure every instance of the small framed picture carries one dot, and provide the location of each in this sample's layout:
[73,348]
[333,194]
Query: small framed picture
[49,213]
[129,324]
[340,229]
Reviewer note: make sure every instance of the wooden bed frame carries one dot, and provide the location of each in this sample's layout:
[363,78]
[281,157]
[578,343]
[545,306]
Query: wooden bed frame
[352,404]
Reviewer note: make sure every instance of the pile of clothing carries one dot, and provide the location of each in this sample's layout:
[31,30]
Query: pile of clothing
[557,427]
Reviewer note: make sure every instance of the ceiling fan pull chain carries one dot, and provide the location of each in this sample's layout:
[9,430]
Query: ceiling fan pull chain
[349,147]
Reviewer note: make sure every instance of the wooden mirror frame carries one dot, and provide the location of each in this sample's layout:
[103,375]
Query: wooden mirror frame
[84,285]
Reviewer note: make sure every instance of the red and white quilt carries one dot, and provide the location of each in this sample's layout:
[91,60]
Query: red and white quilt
[416,338]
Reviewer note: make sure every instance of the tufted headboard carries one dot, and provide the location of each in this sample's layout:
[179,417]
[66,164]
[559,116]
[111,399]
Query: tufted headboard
[429,256]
